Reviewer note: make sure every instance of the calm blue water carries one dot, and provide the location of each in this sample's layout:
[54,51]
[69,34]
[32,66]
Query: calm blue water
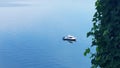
[31,33]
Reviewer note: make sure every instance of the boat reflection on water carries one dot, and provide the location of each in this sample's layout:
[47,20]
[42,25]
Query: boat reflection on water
[69,38]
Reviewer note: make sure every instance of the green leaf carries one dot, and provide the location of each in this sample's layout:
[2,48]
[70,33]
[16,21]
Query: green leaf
[87,51]
[105,32]
[90,33]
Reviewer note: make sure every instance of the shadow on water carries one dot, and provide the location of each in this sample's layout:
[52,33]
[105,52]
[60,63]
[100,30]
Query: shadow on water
[13,4]
[68,40]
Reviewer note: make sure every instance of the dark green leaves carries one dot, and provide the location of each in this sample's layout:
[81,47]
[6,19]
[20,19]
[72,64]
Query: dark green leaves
[90,34]
[87,51]
[106,35]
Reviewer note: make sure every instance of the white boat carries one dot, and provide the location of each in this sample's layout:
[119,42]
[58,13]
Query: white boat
[69,38]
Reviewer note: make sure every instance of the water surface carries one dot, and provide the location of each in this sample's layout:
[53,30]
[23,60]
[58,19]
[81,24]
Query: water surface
[31,33]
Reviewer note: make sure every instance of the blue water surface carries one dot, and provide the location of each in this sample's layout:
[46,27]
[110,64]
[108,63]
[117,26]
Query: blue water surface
[31,33]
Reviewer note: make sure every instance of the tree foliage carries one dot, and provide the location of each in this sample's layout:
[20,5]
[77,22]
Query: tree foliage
[106,34]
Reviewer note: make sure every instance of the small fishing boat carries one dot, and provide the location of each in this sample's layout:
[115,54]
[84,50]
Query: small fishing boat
[69,38]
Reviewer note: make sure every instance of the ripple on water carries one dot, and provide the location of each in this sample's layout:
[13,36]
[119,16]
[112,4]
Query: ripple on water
[14,4]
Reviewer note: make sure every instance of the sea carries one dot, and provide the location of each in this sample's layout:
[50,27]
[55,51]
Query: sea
[32,31]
